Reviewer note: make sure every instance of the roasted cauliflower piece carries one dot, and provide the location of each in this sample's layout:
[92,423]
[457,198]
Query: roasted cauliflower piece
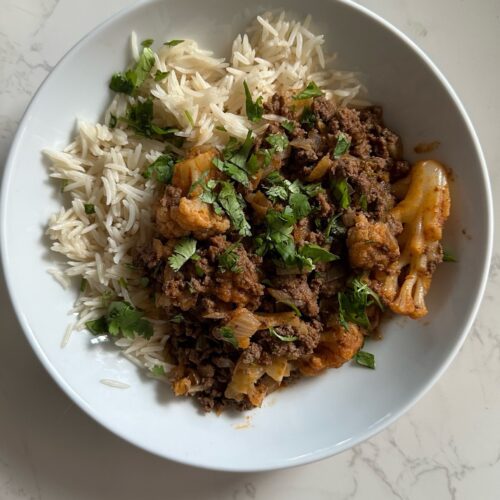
[337,346]
[190,216]
[371,244]
[422,212]
[192,168]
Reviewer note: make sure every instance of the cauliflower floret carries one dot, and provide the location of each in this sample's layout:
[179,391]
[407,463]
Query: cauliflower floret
[337,346]
[371,244]
[422,212]
[192,168]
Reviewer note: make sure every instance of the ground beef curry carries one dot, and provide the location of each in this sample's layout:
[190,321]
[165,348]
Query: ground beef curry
[276,257]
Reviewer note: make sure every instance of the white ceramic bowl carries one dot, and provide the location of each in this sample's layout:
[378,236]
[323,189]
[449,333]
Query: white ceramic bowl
[318,417]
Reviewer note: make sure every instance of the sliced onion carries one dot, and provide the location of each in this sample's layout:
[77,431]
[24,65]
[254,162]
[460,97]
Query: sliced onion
[244,324]
[278,369]
[320,169]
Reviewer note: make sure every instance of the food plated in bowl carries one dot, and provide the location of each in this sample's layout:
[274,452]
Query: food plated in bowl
[267,239]
[338,405]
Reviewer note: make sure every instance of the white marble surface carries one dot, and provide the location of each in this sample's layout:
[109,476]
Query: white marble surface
[446,447]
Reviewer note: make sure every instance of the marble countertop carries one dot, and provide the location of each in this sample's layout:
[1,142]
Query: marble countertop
[446,447]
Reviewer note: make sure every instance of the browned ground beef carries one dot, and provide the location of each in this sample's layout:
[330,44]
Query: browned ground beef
[203,294]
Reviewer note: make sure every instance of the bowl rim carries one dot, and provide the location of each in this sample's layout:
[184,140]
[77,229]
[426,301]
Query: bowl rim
[317,454]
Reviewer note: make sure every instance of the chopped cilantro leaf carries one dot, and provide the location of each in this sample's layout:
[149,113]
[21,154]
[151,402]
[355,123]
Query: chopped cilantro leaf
[162,167]
[317,253]
[147,43]
[89,208]
[233,204]
[300,205]
[308,118]
[340,190]
[354,302]
[121,83]
[133,78]
[365,359]
[279,142]
[178,318]
[158,370]
[97,326]
[221,128]
[254,110]
[334,227]
[311,90]
[112,120]
[363,202]
[275,193]
[288,125]
[232,171]
[283,338]
[139,117]
[227,334]
[121,318]
[83,285]
[291,305]
[183,251]
[342,146]
[160,75]
[173,43]
[448,257]
[229,258]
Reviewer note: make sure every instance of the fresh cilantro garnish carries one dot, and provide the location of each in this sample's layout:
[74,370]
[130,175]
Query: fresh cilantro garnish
[283,338]
[448,256]
[340,190]
[133,78]
[83,285]
[275,193]
[227,334]
[342,146]
[232,171]
[160,75]
[147,43]
[288,125]
[290,304]
[229,258]
[311,90]
[221,128]
[189,117]
[140,116]
[334,227]
[121,83]
[279,142]
[183,251]
[234,163]
[354,302]
[112,120]
[121,318]
[254,110]
[365,359]
[233,204]
[312,189]
[158,370]
[300,205]
[173,43]
[178,318]
[317,253]
[89,208]
[278,236]
[308,118]
[162,167]
[363,202]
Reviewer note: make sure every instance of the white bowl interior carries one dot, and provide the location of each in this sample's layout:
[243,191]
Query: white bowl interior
[317,417]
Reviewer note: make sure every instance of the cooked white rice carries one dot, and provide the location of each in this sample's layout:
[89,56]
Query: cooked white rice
[104,166]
